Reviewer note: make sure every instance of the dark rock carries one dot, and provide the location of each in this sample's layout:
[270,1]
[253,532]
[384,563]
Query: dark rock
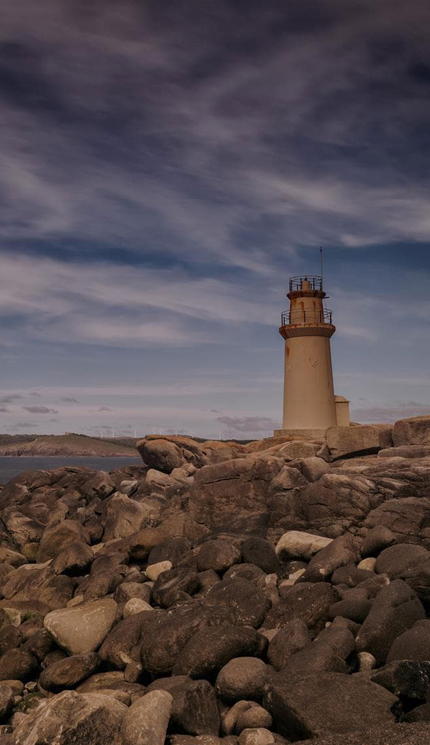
[170,550]
[194,708]
[56,539]
[207,580]
[326,703]
[10,638]
[397,734]
[419,714]
[259,551]
[409,678]
[74,560]
[395,610]
[291,638]
[242,678]
[353,608]
[166,633]
[376,540]
[316,657]
[218,555]
[350,575]
[69,672]
[374,584]
[339,552]
[6,701]
[17,664]
[122,644]
[413,644]
[396,560]
[208,650]
[339,638]
[248,604]
[169,584]
[40,644]
[308,602]
[250,572]
[418,577]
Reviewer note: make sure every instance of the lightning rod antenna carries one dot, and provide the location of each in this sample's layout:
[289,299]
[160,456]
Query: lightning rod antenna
[322,268]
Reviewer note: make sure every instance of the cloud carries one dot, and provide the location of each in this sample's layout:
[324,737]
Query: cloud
[3,408]
[248,425]
[40,410]
[390,413]
[10,398]
[69,400]
[104,408]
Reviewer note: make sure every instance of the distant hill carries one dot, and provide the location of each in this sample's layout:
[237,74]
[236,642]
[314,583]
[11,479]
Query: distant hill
[70,444]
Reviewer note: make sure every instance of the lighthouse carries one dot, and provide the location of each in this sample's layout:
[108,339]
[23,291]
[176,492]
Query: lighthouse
[310,405]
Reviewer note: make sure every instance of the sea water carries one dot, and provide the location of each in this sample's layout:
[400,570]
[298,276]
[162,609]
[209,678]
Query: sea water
[13,466]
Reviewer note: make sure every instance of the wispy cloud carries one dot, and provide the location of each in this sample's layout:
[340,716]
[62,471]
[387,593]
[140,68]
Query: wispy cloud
[40,410]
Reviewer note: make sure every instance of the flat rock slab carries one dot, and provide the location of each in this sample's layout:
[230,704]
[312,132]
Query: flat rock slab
[397,734]
[313,705]
[82,629]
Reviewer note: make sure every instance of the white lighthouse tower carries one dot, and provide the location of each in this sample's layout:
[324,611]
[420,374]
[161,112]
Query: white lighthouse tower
[310,405]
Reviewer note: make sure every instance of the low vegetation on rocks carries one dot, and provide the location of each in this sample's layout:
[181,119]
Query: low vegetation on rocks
[272,592]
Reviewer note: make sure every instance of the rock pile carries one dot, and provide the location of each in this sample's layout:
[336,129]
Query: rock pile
[245,595]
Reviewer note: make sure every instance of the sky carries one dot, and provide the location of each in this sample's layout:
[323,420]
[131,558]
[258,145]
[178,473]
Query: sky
[165,167]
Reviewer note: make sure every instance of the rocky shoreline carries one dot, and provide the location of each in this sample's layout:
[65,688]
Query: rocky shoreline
[220,593]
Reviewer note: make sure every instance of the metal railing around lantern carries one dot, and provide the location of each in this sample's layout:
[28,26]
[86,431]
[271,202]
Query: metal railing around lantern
[299,316]
[314,280]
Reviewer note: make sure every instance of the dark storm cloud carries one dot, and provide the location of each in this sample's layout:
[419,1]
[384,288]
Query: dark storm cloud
[200,131]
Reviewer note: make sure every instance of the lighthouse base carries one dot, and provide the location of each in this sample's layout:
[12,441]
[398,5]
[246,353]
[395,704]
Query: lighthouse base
[301,434]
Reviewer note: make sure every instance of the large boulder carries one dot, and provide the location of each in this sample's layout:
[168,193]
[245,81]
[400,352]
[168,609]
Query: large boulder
[413,431]
[307,602]
[82,629]
[68,673]
[123,517]
[209,650]
[413,644]
[406,518]
[358,440]
[234,489]
[408,678]
[394,734]
[70,717]
[296,544]
[338,553]
[396,560]
[291,638]
[166,633]
[146,721]
[160,454]
[57,538]
[248,603]
[242,678]
[395,610]
[195,706]
[313,705]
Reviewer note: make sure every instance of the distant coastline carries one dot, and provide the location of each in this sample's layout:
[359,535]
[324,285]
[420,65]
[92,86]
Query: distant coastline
[67,445]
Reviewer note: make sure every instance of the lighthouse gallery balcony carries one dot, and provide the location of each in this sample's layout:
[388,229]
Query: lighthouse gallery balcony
[300,317]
